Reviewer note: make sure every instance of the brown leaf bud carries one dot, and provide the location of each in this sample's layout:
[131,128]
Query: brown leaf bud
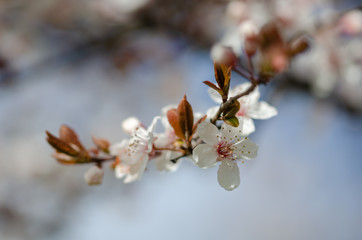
[68,135]
[185,117]
[172,117]
[101,143]
[60,145]
[298,45]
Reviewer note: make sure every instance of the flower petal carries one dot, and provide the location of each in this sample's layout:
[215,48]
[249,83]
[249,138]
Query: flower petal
[229,133]
[228,175]
[151,128]
[246,126]
[211,112]
[208,132]
[136,170]
[204,155]
[163,162]
[262,110]
[214,95]
[246,149]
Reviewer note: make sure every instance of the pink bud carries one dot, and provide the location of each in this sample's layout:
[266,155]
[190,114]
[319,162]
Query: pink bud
[279,62]
[223,55]
[236,10]
[351,23]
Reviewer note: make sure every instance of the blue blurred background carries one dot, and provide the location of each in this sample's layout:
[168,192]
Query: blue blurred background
[91,65]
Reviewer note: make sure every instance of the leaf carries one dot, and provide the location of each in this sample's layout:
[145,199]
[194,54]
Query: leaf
[213,86]
[222,76]
[102,144]
[172,117]
[68,135]
[185,117]
[219,76]
[232,121]
[60,145]
[232,110]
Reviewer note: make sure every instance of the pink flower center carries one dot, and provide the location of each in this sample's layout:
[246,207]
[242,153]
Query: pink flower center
[225,150]
[242,111]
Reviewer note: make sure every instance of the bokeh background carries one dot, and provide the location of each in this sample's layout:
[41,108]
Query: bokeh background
[91,64]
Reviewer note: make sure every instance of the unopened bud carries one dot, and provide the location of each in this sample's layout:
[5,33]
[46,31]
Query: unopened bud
[131,124]
[236,10]
[279,62]
[223,55]
[351,23]
[94,176]
[249,31]
[298,46]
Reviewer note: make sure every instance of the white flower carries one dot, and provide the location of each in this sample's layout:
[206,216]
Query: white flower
[225,146]
[134,153]
[250,108]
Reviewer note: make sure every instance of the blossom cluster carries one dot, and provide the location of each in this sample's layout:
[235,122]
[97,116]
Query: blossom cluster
[217,137]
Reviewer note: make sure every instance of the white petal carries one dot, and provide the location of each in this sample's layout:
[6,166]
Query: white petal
[246,149]
[163,162]
[208,132]
[228,175]
[214,95]
[136,170]
[229,133]
[262,110]
[151,128]
[121,170]
[204,155]
[130,124]
[246,126]
[212,111]
[118,148]
[251,97]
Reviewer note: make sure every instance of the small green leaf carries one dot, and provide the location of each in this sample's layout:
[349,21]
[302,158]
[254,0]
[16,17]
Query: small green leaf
[232,121]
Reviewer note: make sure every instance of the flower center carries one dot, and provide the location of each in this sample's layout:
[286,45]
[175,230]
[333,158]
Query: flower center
[242,111]
[225,150]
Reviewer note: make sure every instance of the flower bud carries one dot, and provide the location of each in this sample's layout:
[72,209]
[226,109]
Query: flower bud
[249,31]
[298,46]
[223,55]
[351,23]
[130,124]
[94,176]
[236,10]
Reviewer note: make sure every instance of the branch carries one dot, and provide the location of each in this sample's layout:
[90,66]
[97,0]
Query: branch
[231,100]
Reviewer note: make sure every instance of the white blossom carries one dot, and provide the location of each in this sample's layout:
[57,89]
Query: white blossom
[250,108]
[134,153]
[225,146]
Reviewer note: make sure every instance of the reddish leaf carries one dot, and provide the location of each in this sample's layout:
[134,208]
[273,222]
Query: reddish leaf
[172,117]
[68,135]
[213,86]
[101,143]
[60,145]
[185,117]
[219,76]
